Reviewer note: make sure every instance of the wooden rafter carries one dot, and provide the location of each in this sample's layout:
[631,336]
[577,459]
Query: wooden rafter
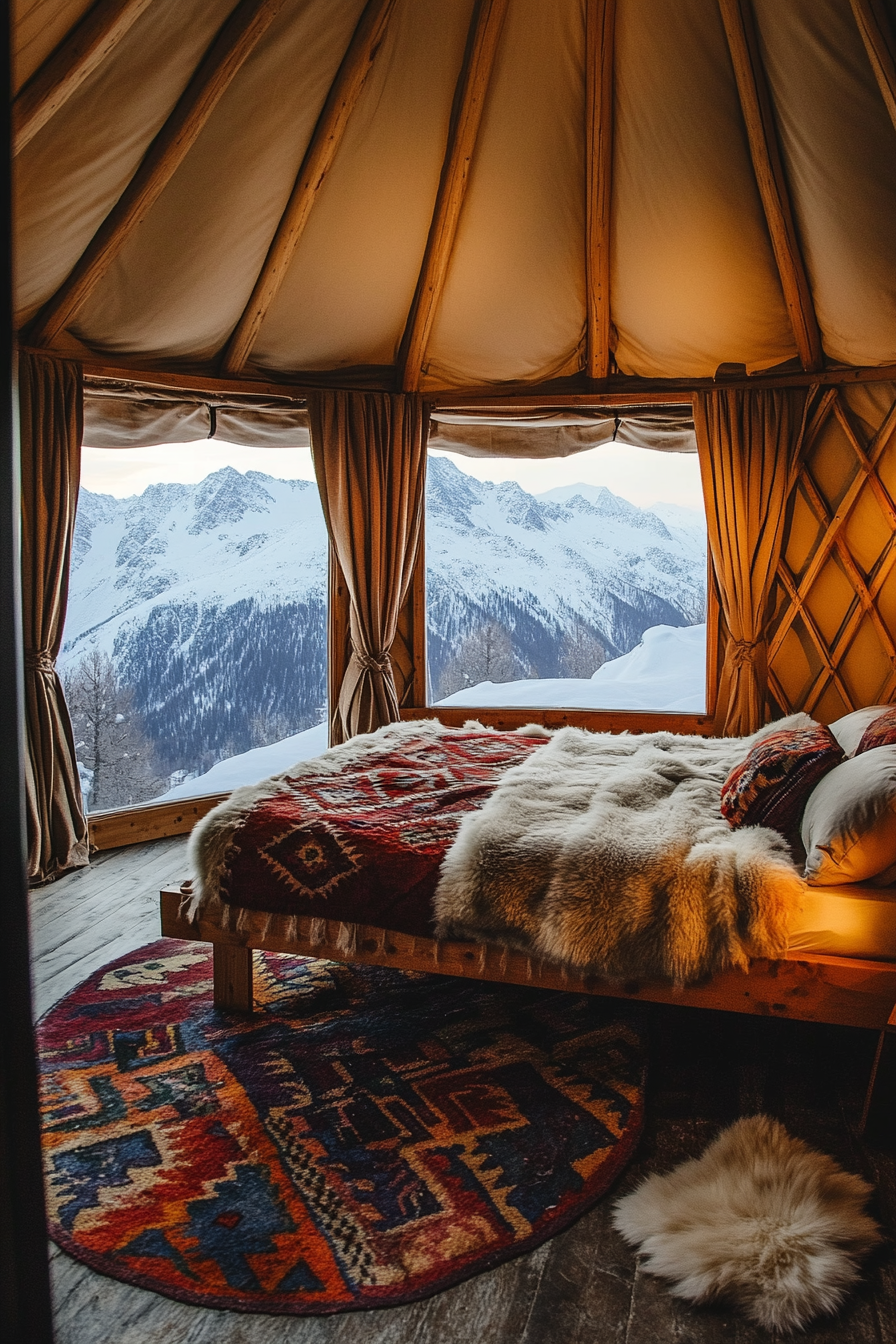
[224,58]
[341,101]
[469,103]
[878,38]
[756,105]
[619,390]
[600,24]
[69,65]
[65,69]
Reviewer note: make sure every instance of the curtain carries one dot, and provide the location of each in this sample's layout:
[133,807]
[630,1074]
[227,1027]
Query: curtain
[749,443]
[369,452]
[50,408]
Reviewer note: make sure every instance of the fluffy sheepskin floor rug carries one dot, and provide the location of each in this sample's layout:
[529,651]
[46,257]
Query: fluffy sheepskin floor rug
[760,1219]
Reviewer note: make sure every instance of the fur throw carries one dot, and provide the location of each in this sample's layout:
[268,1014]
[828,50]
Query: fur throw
[608,853]
[761,1219]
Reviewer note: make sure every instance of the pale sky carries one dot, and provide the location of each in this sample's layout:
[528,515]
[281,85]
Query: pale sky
[640,475]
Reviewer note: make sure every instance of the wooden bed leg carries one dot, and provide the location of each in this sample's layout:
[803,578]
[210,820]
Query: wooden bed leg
[232,977]
[879,1112]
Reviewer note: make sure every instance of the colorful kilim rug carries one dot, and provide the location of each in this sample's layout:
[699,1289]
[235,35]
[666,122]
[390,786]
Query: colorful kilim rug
[368,1137]
[365,844]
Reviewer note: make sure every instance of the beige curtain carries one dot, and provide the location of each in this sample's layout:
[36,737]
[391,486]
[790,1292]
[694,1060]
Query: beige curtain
[748,443]
[369,452]
[50,404]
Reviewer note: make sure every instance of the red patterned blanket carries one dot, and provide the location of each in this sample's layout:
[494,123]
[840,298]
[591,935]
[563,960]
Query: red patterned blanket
[364,843]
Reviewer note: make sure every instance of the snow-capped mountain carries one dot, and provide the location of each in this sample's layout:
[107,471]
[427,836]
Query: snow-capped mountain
[211,601]
[575,562]
[211,598]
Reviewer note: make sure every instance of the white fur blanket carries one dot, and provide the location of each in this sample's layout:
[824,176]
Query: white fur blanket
[608,853]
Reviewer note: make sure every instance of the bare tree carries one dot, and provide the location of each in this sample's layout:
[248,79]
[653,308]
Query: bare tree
[487,654]
[115,759]
[267,726]
[581,652]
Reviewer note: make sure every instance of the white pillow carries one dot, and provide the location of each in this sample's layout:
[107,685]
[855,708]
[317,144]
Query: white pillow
[849,825]
[848,730]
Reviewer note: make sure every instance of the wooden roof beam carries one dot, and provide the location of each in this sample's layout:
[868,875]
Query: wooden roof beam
[878,38]
[600,24]
[234,42]
[755,101]
[469,103]
[331,124]
[65,69]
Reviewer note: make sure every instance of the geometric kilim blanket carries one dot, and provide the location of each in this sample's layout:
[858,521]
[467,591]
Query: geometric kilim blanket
[368,1137]
[365,845]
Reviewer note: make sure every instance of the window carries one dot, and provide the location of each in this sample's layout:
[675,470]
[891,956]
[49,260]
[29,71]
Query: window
[572,583]
[194,650]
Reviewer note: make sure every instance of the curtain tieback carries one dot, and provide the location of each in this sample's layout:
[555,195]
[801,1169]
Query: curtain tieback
[741,651]
[367,660]
[39,660]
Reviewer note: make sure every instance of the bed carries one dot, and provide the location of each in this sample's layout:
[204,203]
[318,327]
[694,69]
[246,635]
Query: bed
[352,857]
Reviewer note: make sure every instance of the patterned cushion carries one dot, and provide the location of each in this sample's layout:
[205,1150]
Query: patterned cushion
[848,730]
[880,733]
[771,785]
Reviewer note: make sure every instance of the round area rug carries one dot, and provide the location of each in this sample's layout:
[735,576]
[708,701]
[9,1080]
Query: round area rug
[366,1138]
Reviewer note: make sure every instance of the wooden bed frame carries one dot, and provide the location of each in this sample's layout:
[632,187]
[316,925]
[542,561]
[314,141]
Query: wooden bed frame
[806,986]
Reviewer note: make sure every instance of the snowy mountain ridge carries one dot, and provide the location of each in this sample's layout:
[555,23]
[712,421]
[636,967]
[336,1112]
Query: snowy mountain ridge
[211,598]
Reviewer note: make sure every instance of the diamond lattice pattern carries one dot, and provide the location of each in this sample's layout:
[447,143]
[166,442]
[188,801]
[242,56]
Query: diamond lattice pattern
[832,645]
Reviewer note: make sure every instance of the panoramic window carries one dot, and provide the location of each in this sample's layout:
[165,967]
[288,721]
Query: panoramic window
[194,650]
[575,583]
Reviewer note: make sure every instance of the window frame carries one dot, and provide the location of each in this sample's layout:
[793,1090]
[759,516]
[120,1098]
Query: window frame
[144,822]
[597,720]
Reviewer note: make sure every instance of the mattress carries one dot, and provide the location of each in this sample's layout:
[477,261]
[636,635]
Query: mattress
[849,921]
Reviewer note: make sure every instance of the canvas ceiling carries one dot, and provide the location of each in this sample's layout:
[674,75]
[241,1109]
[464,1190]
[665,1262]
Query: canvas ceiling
[693,278]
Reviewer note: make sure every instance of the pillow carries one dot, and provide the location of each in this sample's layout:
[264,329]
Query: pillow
[848,730]
[771,785]
[880,733]
[849,825]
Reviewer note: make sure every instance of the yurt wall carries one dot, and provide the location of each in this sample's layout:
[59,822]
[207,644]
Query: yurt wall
[831,646]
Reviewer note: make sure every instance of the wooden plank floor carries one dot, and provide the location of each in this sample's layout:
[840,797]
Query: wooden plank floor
[585,1286]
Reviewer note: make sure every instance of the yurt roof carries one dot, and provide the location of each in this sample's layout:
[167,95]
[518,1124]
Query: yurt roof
[439,194]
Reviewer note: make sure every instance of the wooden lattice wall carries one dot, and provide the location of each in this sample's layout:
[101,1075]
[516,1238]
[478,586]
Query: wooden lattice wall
[833,635]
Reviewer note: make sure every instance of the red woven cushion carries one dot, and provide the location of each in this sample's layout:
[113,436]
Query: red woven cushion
[880,733]
[770,787]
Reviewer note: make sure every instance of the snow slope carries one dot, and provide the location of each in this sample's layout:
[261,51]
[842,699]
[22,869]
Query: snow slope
[667,671]
[251,766]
